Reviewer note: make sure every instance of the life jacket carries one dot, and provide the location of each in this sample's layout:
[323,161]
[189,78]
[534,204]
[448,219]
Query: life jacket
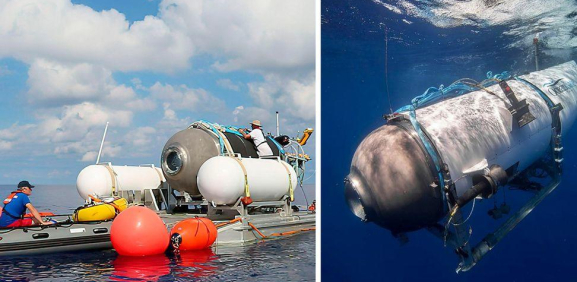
[10,197]
[7,201]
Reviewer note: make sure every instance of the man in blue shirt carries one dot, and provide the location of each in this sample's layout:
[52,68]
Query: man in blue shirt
[15,206]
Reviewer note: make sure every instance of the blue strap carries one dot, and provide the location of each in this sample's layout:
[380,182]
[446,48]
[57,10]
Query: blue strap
[280,148]
[430,150]
[234,130]
[458,88]
[217,135]
[543,95]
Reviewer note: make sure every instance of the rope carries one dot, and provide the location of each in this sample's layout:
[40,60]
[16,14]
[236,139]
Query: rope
[280,234]
[261,234]
[229,222]
[387,67]
[116,207]
[256,229]
[292,232]
[471,213]
[207,230]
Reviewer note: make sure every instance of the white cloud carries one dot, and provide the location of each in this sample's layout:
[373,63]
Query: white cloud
[54,84]
[89,156]
[88,149]
[256,35]
[5,145]
[138,83]
[228,84]
[183,98]
[295,96]
[236,112]
[77,121]
[16,131]
[122,96]
[140,137]
[61,31]
[253,35]
[244,115]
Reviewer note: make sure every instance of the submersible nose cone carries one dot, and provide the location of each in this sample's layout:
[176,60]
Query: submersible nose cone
[390,181]
[183,155]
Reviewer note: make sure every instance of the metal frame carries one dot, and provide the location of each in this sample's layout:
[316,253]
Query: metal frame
[459,238]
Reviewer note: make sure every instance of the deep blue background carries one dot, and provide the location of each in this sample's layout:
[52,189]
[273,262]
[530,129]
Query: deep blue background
[353,99]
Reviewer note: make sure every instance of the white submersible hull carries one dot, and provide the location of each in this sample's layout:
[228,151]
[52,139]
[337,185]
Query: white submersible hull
[427,163]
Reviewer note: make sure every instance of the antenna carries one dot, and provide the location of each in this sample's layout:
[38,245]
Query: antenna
[102,144]
[387,67]
[277,126]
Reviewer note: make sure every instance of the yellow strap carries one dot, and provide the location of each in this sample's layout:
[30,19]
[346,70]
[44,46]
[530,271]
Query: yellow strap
[218,134]
[159,174]
[113,176]
[246,191]
[226,143]
[292,192]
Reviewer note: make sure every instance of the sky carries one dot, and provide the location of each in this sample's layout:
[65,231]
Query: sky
[150,68]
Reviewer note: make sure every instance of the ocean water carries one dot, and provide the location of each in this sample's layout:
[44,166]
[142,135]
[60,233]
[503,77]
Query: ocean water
[287,259]
[432,43]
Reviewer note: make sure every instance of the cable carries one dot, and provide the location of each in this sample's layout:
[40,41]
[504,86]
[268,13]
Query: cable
[304,194]
[471,213]
[387,67]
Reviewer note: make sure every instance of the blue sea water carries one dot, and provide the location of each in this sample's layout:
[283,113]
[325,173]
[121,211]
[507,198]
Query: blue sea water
[288,259]
[432,43]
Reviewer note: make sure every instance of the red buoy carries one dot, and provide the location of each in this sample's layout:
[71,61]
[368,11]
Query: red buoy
[193,234]
[138,231]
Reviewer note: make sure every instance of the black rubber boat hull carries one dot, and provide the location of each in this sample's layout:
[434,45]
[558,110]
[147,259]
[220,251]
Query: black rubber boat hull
[52,239]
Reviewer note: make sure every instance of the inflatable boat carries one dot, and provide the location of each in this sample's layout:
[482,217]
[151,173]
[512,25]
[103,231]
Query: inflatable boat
[64,236]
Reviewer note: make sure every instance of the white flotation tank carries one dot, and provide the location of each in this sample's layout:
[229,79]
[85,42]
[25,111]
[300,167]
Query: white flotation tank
[221,180]
[103,179]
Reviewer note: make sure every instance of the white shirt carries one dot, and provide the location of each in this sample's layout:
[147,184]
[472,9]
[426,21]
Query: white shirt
[262,147]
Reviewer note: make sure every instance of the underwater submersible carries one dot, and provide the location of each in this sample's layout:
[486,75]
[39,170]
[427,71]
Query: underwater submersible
[433,157]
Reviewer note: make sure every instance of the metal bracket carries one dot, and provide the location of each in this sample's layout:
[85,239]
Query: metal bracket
[519,109]
[469,257]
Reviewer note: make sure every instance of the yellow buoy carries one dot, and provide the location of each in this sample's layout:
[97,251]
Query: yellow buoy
[97,212]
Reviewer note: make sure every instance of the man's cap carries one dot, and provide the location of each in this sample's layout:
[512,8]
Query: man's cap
[256,122]
[25,183]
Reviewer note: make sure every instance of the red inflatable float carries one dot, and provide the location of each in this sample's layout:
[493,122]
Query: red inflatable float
[138,231]
[193,234]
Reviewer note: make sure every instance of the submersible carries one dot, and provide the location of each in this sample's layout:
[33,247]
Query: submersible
[453,145]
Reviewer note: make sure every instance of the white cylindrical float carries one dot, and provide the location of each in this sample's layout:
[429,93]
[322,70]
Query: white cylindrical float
[221,180]
[103,180]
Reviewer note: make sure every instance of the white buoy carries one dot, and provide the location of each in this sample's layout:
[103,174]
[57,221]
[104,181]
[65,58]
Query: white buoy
[221,179]
[104,180]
